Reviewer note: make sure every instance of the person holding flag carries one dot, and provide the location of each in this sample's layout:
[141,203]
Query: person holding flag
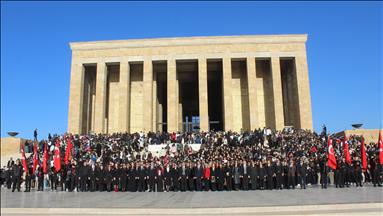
[377,169]
[380,145]
[346,150]
[360,167]
[346,162]
[363,155]
[68,152]
[45,158]
[35,158]
[331,160]
[57,159]
[53,172]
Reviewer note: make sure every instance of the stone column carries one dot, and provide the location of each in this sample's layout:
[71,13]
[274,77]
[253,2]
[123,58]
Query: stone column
[148,95]
[155,103]
[160,107]
[303,85]
[101,79]
[203,97]
[124,96]
[179,101]
[277,93]
[253,100]
[76,98]
[172,93]
[227,94]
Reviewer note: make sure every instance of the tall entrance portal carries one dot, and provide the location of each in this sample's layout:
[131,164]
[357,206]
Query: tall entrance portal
[215,96]
[187,73]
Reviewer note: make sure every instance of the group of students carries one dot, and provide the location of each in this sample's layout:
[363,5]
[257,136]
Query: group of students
[188,176]
[226,161]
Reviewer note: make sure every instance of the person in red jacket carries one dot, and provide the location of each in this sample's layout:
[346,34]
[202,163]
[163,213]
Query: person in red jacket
[206,176]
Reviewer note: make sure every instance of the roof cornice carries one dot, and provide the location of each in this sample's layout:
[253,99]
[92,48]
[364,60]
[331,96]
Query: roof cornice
[188,41]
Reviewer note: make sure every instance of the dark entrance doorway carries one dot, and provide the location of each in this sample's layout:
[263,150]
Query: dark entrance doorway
[187,73]
[215,101]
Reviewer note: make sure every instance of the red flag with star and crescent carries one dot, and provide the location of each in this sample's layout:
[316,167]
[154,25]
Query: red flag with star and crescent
[347,156]
[331,161]
[380,143]
[68,151]
[23,159]
[35,157]
[45,159]
[57,160]
[363,153]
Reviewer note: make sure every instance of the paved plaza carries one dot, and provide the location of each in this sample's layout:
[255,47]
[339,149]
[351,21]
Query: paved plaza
[366,201]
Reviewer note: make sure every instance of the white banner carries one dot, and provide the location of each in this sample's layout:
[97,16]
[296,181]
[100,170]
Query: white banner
[160,150]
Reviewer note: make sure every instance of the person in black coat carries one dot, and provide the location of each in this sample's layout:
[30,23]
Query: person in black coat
[191,178]
[244,171]
[285,174]
[160,179]
[269,175]
[132,183]
[339,180]
[77,177]
[278,171]
[220,177]
[198,175]
[84,176]
[168,178]
[228,169]
[141,178]
[213,177]
[291,175]
[8,177]
[345,173]
[302,173]
[253,176]
[358,174]
[175,177]
[100,177]
[108,178]
[17,171]
[183,172]
[376,173]
[116,177]
[92,176]
[151,176]
[261,175]
[28,180]
[123,177]
[40,178]
[53,178]
[324,171]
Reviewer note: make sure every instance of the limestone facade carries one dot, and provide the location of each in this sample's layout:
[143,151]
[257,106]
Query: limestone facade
[228,82]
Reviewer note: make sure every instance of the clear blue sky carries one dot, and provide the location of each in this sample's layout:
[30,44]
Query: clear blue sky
[344,51]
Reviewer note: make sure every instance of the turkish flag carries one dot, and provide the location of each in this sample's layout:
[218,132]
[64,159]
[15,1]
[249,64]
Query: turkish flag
[331,161]
[347,156]
[380,144]
[68,151]
[57,159]
[45,159]
[35,157]
[23,160]
[364,157]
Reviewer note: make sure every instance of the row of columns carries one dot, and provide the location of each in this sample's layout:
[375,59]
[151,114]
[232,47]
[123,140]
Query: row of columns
[149,95]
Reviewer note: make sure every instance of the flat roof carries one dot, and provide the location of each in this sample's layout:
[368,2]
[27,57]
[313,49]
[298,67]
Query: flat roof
[188,41]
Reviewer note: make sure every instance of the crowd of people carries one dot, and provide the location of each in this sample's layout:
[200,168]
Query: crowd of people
[257,160]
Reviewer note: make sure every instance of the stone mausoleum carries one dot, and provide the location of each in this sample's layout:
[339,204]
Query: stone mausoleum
[190,83]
